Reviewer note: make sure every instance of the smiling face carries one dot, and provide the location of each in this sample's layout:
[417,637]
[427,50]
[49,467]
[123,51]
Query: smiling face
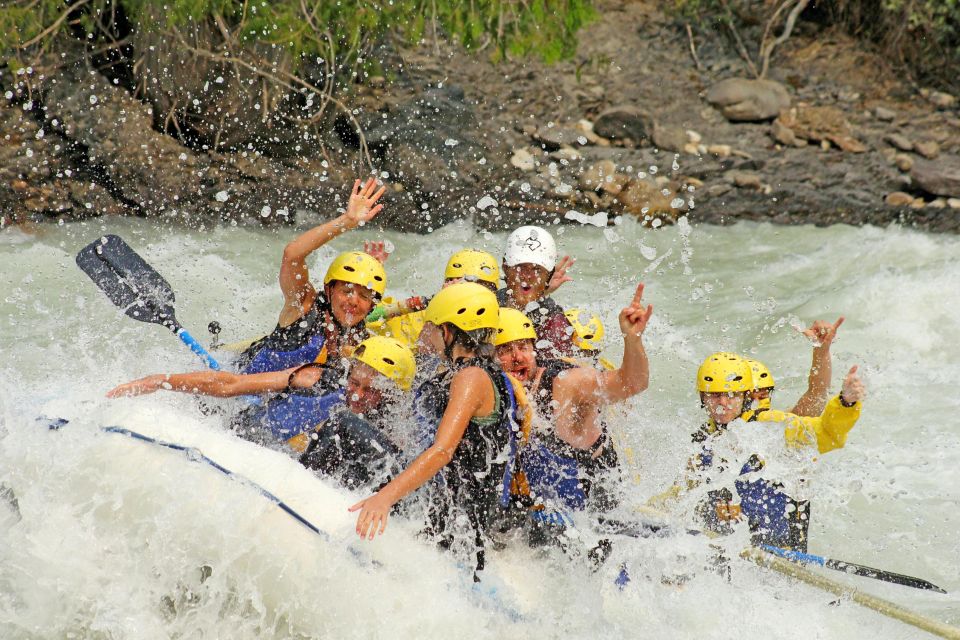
[519,359]
[350,303]
[365,388]
[724,407]
[526,282]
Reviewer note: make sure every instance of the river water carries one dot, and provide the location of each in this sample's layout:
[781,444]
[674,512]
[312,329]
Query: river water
[115,538]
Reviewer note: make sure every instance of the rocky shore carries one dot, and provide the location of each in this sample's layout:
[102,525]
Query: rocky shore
[647,120]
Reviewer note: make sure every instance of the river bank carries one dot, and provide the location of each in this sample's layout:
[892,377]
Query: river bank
[647,120]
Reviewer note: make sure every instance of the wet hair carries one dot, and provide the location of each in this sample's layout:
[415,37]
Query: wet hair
[477,341]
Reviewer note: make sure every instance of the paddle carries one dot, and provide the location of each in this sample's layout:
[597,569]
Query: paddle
[853,568]
[135,287]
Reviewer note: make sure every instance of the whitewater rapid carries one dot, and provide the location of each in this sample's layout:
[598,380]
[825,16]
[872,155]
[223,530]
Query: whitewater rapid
[121,539]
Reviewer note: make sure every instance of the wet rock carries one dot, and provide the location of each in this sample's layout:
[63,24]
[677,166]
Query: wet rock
[670,138]
[782,133]
[938,203]
[953,203]
[898,199]
[885,115]
[645,197]
[747,100]
[822,124]
[586,128]
[716,190]
[555,137]
[432,140]
[694,137]
[941,178]
[745,179]
[598,175]
[523,160]
[898,141]
[720,150]
[903,162]
[622,122]
[692,149]
[942,100]
[928,150]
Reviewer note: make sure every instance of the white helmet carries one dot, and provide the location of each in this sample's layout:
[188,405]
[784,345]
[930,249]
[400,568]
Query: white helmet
[532,245]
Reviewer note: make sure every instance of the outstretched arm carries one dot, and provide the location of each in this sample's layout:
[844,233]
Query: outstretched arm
[814,399]
[471,394]
[221,384]
[294,276]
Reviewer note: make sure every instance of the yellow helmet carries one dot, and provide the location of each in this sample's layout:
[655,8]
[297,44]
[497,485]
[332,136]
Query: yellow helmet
[586,336]
[390,357]
[513,326]
[359,268]
[473,265]
[466,305]
[724,372]
[762,378]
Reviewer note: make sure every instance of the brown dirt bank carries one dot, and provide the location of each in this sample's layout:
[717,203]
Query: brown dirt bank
[624,127]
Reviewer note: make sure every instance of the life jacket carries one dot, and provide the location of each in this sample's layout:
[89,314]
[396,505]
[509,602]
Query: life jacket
[481,478]
[774,517]
[298,343]
[555,470]
[351,450]
[287,416]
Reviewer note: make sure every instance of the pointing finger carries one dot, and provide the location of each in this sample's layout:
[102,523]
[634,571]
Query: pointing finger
[852,372]
[638,295]
[836,325]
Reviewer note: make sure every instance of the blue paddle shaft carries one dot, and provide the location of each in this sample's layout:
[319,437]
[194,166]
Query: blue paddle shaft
[198,349]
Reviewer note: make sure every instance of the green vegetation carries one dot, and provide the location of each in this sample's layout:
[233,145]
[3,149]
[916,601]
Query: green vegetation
[544,28]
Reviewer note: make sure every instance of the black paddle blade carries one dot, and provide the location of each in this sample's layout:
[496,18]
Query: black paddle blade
[128,280]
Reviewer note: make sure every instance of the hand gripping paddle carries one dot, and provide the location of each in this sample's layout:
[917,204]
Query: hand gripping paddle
[135,287]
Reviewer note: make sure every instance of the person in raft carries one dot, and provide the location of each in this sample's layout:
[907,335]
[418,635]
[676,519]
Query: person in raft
[342,433]
[531,274]
[570,451]
[477,428]
[725,384]
[317,325]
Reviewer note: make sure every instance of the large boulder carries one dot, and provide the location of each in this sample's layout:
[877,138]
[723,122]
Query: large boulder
[430,145]
[625,121]
[816,124]
[746,100]
[940,177]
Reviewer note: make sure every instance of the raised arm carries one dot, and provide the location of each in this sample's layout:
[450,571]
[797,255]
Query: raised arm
[471,394]
[814,399]
[294,276]
[581,390]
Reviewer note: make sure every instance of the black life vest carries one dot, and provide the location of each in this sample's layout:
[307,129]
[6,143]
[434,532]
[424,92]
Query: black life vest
[478,478]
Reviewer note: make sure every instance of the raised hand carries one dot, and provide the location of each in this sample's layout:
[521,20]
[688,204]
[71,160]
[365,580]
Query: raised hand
[853,389]
[377,249]
[822,333]
[140,387]
[634,318]
[363,206]
[560,274]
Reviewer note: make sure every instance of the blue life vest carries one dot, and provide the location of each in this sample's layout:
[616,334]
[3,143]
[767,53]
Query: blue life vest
[293,345]
[555,470]
[553,476]
[272,359]
[292,413]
